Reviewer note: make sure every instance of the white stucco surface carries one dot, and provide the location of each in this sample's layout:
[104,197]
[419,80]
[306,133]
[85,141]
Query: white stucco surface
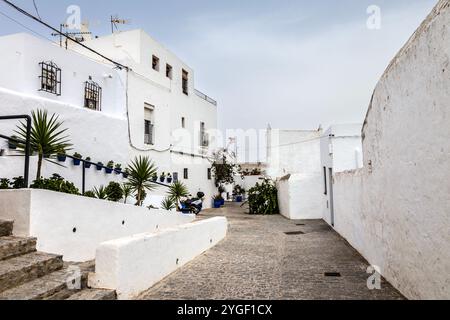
[53,217]
[133,264]
[395,211]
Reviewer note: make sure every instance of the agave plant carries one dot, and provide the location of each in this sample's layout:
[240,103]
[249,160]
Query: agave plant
[141,171]
[177,191]
[168,204]
[100,193]
[47,137]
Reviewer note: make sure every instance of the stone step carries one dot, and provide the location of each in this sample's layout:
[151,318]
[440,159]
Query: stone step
[58,285]
[19,270]
[6,228]
[12,247]
[94,294]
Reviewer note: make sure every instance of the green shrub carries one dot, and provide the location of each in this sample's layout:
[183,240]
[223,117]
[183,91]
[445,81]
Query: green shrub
[168,204]
[114,192]
[55,183]
[89,194]
[263,198]
[100,193]
[4,184]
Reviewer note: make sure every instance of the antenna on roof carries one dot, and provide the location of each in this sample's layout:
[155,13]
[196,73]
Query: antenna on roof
[115,21]
[63,28]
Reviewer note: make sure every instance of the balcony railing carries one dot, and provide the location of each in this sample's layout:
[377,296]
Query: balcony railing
[205,97]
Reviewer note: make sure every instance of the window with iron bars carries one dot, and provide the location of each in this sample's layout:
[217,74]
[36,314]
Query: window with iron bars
[50,78]
[93,96]
[148,134]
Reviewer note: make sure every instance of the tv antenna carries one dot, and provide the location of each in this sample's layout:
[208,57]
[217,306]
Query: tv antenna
[63,29]
[115,21]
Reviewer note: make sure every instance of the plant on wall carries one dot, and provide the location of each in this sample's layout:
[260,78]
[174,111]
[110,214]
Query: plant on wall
[127,192]
[168,204]
[89,194]
[47,136]
[177,191]
[263,198]
[100,193]
[141,171]
[114,191]
[4,184]
[55,183]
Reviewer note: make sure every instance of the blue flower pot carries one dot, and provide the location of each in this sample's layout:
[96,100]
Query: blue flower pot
[12,145]
[99,167]
[62,158]
[108,170]
[87,165]
[76,162]
[124,175]
[162,180]
[217,204]
[222,202]
[118,171]
[239,199]
[169,180]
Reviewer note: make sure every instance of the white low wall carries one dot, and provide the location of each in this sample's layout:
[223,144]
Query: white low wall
[74,226]
[134,264]
[300,196]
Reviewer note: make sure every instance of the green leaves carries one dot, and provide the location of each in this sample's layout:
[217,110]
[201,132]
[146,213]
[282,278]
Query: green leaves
[47,136]
[263,198]
[168,204]
[177,191]
[141,171]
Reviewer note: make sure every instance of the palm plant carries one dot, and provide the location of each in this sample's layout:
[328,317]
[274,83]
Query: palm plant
[168,204]
[177,191]
[127,192]
[140,175]
[47,137]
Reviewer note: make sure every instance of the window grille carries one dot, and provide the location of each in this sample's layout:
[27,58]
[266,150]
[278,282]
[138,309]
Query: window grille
[50,78]
[93,96]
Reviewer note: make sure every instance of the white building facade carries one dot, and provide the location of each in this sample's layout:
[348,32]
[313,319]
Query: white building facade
[150,108]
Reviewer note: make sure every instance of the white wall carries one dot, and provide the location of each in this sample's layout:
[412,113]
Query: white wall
[396,210]
[132,265]
[51,217]
[297,153]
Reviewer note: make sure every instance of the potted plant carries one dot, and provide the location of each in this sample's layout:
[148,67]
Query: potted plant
[169,178]
[12,144]
[155,177]
[125,173]
[100,166]
[77,159]
[87,163]
[61,155]
[109,167]
[162,178]
[217,201]
[118,168]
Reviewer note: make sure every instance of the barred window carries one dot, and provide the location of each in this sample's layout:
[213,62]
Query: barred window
[50,78]
[93,96]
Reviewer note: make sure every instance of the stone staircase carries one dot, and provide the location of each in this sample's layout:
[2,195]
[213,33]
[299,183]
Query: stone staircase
[26,274]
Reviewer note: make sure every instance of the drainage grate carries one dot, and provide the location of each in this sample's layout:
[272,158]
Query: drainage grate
[295,233]
[333,274]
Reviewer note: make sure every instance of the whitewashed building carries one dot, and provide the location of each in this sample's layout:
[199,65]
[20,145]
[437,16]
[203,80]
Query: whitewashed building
[113,114]
[304,163]
[341,150]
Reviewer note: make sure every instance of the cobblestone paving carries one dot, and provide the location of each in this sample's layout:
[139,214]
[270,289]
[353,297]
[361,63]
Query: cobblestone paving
[259,261]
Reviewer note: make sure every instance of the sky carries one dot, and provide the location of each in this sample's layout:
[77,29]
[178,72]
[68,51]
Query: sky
[291,64]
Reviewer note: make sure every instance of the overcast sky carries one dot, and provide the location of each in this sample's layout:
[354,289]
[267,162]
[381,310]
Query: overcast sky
[293,64]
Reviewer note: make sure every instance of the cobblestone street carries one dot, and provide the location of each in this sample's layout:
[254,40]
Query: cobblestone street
[258,260]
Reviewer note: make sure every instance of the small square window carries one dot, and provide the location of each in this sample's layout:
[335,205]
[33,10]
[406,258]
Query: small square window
[50,78]
[175,177]
[169,71]
[186,174]
[155,63]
